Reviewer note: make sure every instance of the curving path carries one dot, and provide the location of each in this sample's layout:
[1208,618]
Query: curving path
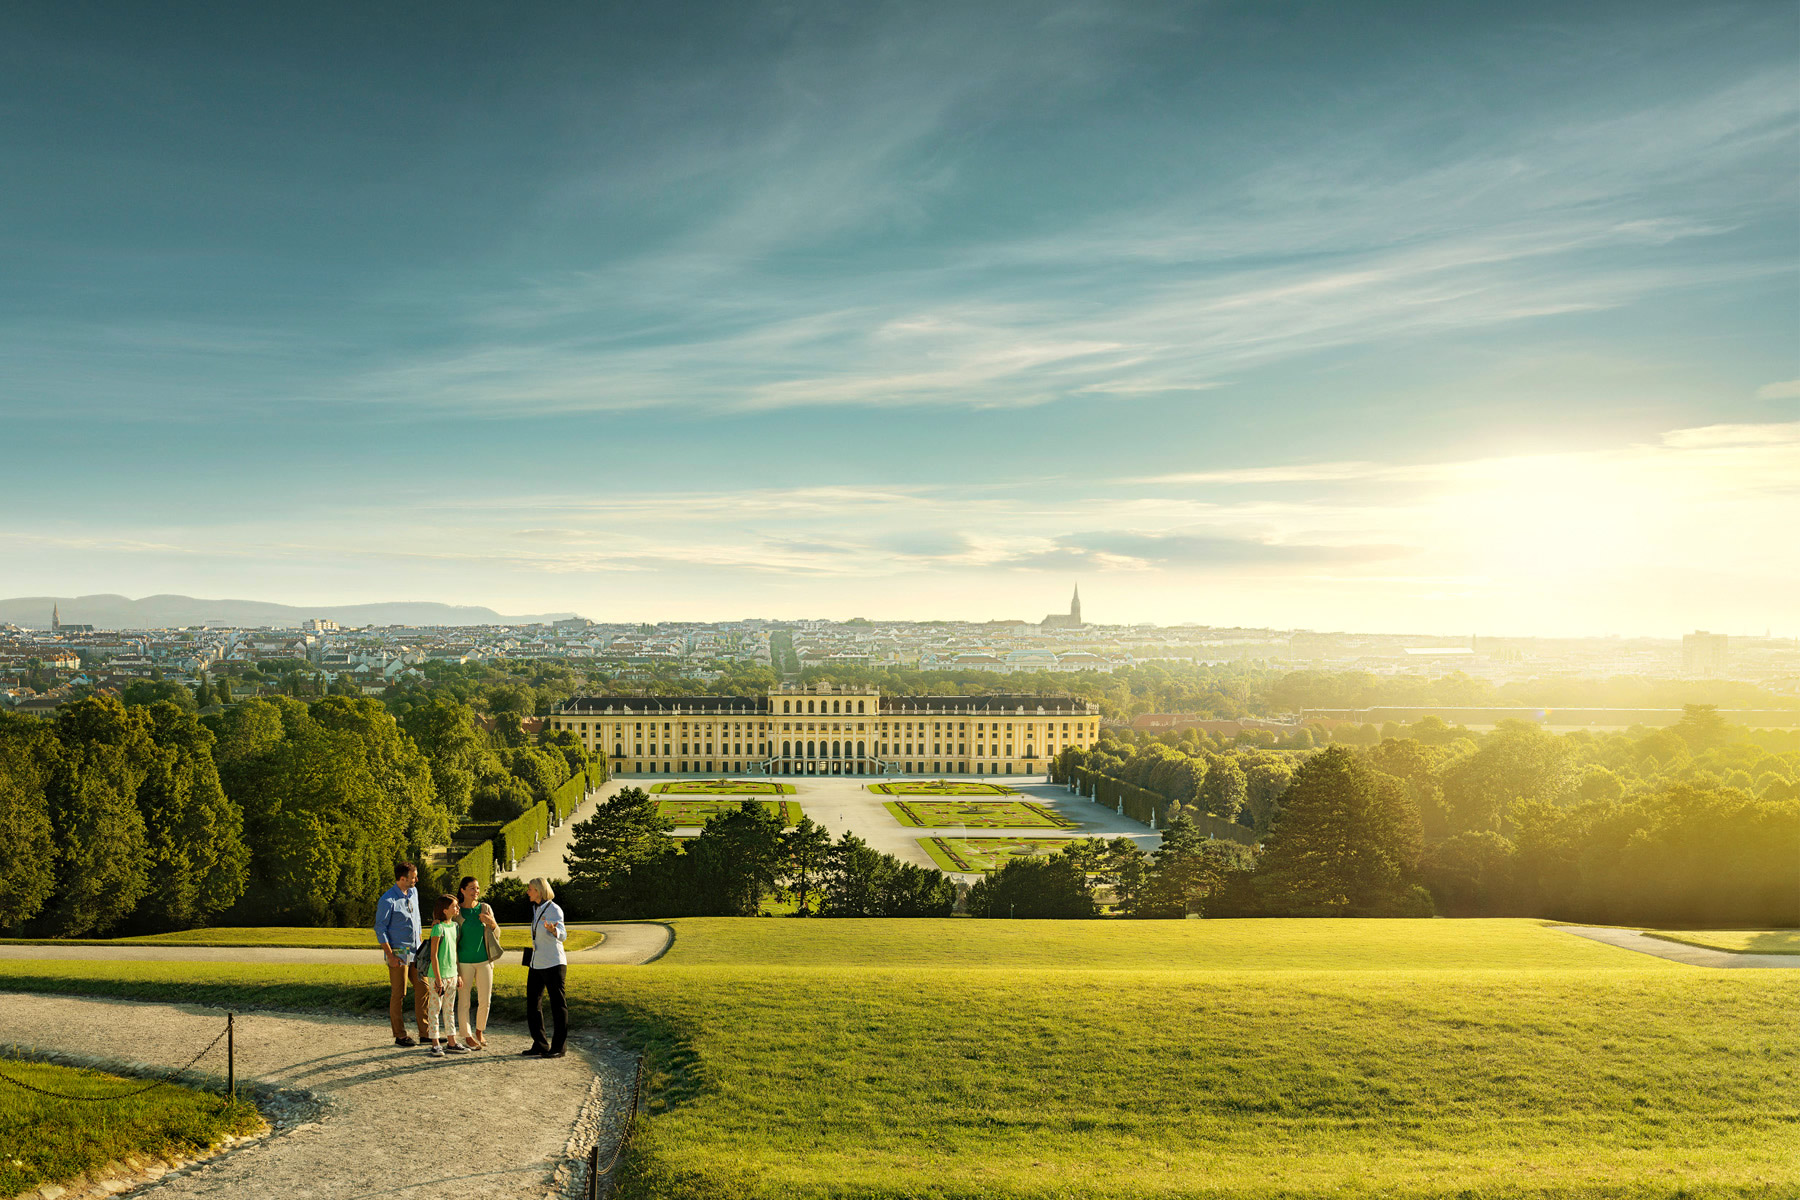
[356,1117]
[1694,956]
[628,944]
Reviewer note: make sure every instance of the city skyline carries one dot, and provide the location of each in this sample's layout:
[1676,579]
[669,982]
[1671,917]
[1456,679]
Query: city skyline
[1393,319]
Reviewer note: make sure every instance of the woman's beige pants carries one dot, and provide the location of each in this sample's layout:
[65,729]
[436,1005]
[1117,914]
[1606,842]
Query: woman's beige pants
[475,976]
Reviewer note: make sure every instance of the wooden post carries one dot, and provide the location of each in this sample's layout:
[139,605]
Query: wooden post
[231,1054]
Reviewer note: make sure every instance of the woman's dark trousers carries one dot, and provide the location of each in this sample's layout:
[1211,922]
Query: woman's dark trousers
[550,979]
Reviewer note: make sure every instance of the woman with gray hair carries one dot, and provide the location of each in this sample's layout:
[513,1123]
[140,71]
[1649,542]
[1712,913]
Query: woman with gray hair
[547,972]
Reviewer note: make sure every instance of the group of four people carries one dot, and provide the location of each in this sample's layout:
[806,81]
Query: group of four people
[450,962]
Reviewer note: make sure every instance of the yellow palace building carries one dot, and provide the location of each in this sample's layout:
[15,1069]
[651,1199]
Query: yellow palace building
[822,729]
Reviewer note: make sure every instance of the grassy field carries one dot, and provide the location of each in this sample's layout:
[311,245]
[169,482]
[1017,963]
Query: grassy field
[977,814]
[513,937]
[723,787]
[699,812]
[956,1058]
[1753,941]
[44,1141]
[966,854]
[940,787]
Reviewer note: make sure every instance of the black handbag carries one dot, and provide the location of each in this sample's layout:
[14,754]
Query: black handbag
[527,963]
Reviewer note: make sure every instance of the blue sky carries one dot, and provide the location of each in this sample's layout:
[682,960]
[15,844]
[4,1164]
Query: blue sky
[1423,317]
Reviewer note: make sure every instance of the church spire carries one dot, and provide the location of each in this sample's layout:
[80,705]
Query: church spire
[55,619]
[1075,607]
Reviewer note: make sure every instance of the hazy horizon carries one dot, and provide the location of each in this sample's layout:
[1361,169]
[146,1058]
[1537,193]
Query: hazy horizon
[1386,318]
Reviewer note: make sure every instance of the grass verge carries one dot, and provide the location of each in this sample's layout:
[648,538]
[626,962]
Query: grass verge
[1097,1060]
[53,1141]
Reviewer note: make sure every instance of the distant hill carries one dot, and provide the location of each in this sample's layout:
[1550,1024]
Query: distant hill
[161,612]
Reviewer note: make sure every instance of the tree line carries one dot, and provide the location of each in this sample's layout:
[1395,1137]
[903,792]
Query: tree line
[624,863]
[149,817]
[1697,824]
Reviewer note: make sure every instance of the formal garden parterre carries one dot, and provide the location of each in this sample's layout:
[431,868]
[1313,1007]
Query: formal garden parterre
[940,787]
[998,814]
[723,787]
[687,813]
[968,855]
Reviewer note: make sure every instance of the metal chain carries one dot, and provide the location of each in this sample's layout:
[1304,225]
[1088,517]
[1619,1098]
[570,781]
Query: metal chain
[166,1079]
[595,1171]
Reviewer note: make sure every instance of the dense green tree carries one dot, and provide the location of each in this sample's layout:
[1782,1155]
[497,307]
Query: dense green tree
[104,754]
[1052,886]
[1417,766]
[1472,874]
[500,796]
[395,764]
[27,850]
[859,881]
[623,834]
[1517,761]
[1345,842]
[737,862]
[198,863]
[445,733]
[1186,868]
[146,692]
[1225,789]
[804,849]
[326,814]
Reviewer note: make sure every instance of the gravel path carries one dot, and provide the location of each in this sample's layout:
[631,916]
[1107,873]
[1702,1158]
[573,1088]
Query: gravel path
[356,1117]
[1696,956]
[624,945]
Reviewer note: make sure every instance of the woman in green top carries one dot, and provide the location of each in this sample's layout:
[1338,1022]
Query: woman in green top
[441,975]
[475,973]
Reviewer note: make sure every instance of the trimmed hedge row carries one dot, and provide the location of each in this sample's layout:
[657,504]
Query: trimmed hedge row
[520,836]
[507,844]
[478,862]
[1151,808]
[570,794]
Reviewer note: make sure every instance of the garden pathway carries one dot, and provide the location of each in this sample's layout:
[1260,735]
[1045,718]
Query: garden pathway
[383,1122]
[624,945]
[1696,956]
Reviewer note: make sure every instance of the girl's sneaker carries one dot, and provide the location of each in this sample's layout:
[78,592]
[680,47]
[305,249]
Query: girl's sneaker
[437,1051]
[456,1048]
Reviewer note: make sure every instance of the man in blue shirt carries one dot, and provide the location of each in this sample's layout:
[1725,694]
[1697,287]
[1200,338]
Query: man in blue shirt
[397,929]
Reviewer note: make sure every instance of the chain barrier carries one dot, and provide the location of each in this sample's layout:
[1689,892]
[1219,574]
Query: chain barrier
[595,1171]
[162,1081]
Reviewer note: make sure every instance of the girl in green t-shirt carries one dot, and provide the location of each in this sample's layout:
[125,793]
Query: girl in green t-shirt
[441,976]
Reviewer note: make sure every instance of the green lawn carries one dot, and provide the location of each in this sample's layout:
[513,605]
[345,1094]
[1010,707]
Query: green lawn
[513,937]
[940,787]
[723,787]
[966,854]
[46,1141]
[1753,941]
[977,814]
[699,812]
[1122,1060]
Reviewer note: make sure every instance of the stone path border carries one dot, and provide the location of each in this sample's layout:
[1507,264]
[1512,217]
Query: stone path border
[1694,956]
[356,1117]
[628,944]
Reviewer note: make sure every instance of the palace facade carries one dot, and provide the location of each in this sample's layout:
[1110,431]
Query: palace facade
[825,729]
